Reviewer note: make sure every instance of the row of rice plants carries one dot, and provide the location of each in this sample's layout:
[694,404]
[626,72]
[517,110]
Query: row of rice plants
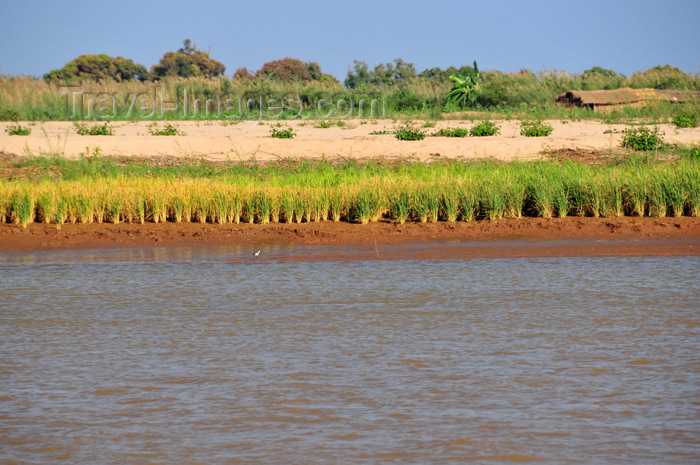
[448,192]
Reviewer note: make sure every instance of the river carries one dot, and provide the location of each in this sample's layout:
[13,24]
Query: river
[304,355]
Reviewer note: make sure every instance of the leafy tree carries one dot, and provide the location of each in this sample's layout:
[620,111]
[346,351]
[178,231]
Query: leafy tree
[359,76]
[98,67]
[390,74]
[291,69]
[187,62]
[467,87]
[434,73]
[242,74]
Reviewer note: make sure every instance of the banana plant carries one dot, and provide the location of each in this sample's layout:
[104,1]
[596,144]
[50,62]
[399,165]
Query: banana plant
[466,87]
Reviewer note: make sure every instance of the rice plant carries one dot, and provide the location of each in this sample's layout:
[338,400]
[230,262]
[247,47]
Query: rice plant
[366,205]
[359,192]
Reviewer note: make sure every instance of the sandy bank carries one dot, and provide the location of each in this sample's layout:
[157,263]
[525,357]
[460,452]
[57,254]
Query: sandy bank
[216,140]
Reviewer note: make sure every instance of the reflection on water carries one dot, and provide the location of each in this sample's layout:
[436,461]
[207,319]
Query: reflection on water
[192,355]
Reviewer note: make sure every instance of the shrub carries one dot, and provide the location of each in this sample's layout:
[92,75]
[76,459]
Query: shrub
[98,67]
[168,130]
[686,120]
[187,62]
[642,138]
[662,77]
[8,114]
[96,130]
[403,100]
[17,130]
[286,133]
[535,129]
[452,132]
[409,133]
[292,70]
[487,128]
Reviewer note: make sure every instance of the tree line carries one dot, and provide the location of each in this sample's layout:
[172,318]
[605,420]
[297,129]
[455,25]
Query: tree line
[188,62]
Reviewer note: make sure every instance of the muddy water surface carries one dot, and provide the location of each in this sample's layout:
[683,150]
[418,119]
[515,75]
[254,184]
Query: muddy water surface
[213,356]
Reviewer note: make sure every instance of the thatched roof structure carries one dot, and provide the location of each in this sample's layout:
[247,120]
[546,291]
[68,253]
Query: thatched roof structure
[583,98]
[608,99]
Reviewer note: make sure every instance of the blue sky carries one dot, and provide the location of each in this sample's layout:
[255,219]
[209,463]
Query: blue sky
[37,36]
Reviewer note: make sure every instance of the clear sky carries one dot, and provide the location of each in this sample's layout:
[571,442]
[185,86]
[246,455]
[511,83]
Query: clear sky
[37,36]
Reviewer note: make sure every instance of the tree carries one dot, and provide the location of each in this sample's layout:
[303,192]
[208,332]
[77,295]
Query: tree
[187,62]
[467,86]
[98,67]
[291,69]
[390,74]
[242,74]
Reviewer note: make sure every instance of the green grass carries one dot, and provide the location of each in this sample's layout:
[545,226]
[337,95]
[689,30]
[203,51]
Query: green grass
[57,191]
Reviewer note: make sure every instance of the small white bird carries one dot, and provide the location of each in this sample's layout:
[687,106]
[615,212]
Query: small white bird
[256,253]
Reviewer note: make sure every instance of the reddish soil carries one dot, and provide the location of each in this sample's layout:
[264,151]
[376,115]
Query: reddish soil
[503,238]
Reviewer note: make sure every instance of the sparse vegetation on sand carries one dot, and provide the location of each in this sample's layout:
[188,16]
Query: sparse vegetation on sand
[57,190]
[168,130]
[84,129]
[18,130]
[535,129]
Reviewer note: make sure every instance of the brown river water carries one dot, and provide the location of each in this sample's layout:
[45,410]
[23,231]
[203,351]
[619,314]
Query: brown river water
[195,355]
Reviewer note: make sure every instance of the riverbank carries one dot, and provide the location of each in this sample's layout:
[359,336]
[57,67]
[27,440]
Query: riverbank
[574,236]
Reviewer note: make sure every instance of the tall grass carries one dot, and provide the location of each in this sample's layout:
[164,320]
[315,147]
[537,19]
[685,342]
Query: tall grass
[524,94]
[356,192]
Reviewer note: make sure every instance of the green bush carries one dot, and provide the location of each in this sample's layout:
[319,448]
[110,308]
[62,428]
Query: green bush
[686,120]
[409,133]
[8,114]
[96,130]
[286,133]
[17,130]
[535,129]
[642,138]
[487,128]
[452,132]
[168,130]
[404,100]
